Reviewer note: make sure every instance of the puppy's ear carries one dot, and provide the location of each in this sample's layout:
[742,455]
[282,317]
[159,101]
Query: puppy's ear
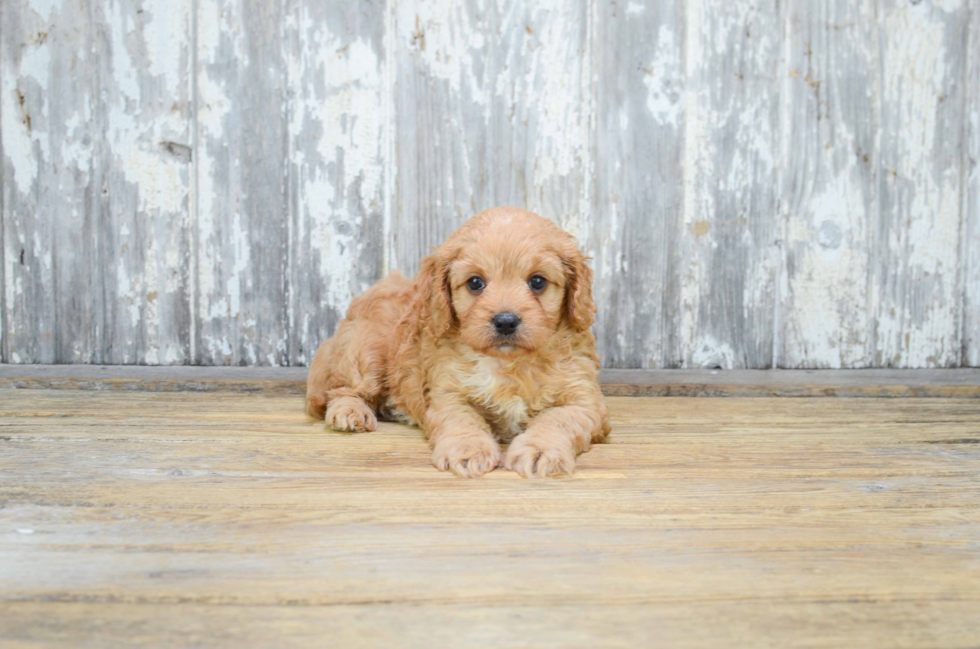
[432,284]
[579,305]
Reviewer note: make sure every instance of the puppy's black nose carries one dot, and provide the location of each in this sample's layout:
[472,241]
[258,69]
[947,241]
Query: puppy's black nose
[506,323]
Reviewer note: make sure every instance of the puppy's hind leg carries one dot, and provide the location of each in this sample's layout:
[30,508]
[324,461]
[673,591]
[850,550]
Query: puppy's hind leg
[346,377]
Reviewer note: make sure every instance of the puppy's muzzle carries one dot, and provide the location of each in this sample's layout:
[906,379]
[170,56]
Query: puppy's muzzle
[506,323]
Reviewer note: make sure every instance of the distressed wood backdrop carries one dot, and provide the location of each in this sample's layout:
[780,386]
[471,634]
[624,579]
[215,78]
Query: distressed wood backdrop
[760,182]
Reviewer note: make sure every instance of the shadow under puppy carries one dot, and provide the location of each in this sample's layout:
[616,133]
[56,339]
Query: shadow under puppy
[489,344]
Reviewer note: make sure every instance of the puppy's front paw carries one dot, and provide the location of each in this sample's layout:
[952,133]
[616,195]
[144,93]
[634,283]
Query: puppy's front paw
[469,456]
[350,414]
[539,458]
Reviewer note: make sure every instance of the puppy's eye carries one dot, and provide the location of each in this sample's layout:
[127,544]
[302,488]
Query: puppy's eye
[537,283]
[476,284]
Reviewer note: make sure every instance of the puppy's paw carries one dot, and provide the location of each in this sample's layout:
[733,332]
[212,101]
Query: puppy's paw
[350,414]
[469,456]
[539,458]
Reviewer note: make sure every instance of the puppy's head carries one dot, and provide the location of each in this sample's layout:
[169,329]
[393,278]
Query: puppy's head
[509,279]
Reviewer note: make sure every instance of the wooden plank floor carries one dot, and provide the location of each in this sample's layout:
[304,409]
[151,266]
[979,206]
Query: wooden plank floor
[959,383]
[131,518]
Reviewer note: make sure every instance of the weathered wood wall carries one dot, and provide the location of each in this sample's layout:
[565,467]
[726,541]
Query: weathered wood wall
[760,183]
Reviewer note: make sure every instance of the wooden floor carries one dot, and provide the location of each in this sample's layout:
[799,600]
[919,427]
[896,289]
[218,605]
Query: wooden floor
[131,518]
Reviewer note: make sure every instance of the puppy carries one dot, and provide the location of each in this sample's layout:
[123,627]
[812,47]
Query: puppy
[489,344]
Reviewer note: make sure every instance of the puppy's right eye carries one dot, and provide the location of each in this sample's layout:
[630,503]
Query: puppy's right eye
[476,284]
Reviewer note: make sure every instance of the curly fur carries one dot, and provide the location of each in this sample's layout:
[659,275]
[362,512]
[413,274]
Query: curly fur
[425,352]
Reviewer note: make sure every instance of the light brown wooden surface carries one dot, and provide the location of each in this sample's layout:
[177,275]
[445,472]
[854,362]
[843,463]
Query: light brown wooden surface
[231,520]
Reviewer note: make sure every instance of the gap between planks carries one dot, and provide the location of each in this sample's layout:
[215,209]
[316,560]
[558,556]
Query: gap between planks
[947,383]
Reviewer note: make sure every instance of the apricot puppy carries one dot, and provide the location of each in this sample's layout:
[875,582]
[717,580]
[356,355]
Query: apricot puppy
[489,344]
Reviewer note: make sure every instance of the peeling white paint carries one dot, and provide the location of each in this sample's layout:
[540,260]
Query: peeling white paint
[917,320]
[562,140]
[21,126]
[349,119]
[336,130]
[44,8]
[713,353]
[440,32]
[215,26]
[145,115]
[167,26]
[508,94]
[664,79]
[970,244]
[949,6]
[829,319]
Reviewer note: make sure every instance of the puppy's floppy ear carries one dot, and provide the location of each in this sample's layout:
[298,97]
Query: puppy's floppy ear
[579,305]
[432,284]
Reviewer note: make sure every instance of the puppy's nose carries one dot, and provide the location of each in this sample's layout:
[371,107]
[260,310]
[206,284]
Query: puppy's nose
[506,323]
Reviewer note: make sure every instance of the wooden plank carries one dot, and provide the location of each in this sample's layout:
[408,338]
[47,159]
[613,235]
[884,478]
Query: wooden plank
[96,210]
[639,54]
[52,182]
[146,94]
[970,258]
[493,108]
[243,228]
[728,252]
[832,95]
[862,624]
[335,56]
[434,111]
[3,245]
[916,310]
[961,383]
[153,518]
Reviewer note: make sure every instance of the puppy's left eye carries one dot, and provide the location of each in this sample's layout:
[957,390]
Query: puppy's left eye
[537,283]
[476,284]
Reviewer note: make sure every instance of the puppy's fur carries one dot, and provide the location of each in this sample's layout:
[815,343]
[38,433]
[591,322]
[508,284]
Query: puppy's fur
[427,352]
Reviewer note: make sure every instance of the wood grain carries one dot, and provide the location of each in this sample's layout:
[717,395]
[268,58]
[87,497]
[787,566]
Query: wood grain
[242,222]
[96,182]
[146,93]
[970,236]
[234,520]
[729,255]
[334,54]
[760,184]
[764,624]
[950,383]
[830,179]
[639,197]
[493,108]
[917,233]
[52,183]
[3,244]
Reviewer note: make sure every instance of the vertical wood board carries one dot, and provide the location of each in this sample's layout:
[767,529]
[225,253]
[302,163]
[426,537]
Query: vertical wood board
[831,107]
[915,299]
[971,210]
[335,55]
[146,89]
[3,245]
[639,196]
[95,211]
[49,104]
[728,254]
[242,218]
